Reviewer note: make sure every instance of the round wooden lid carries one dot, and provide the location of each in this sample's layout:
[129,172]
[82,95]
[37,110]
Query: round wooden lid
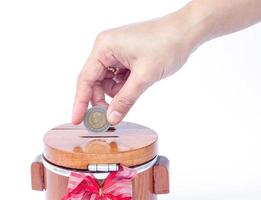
[75,147]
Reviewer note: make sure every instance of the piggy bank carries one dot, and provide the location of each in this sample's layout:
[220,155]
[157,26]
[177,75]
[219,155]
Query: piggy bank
[121,163]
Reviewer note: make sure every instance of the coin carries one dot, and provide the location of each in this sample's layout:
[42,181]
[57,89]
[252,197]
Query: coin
[95,119]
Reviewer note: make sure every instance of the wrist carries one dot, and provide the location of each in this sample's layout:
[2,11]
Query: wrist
[191,24]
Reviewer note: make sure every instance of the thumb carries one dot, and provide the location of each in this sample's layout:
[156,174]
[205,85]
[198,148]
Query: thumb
[126,97]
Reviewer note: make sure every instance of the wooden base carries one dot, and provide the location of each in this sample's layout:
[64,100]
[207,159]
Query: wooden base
[142,186]
[146,185]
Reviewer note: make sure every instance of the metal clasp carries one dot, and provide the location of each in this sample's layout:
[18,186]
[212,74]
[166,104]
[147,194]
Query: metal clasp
[103,167]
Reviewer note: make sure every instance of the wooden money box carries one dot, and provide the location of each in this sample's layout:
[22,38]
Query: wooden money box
[70,149]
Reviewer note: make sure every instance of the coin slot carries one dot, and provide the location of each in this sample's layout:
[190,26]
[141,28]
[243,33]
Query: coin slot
[99,136]
[111,129]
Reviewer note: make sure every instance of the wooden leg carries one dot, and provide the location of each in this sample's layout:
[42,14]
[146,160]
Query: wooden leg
[37,174]
[56,185]
[143,186]
[161,176]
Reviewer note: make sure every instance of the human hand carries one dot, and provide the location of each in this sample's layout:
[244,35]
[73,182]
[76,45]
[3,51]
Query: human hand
[125,61]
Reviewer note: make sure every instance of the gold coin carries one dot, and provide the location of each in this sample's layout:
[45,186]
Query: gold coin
[95,119]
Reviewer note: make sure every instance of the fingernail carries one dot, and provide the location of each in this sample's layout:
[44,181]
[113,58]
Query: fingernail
[115,117]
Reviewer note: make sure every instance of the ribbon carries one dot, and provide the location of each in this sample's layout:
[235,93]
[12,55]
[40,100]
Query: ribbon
[117,186]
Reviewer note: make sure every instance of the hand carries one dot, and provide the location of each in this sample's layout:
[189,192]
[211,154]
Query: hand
[143,53]
[125,61]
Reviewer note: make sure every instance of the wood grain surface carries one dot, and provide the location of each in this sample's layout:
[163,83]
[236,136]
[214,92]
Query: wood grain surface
[75,147]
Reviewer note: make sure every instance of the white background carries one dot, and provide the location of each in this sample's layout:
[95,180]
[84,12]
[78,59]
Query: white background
[208,115]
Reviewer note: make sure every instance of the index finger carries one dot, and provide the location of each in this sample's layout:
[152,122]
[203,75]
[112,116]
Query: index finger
[92,71]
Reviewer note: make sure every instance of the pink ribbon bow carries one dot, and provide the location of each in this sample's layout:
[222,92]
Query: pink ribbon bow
[117,186]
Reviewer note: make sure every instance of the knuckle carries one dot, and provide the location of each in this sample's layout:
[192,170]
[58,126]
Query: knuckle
[82,82]
[125,102]
[102,37]
[143,80]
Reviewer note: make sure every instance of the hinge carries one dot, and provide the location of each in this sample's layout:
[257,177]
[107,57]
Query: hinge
[103,167]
